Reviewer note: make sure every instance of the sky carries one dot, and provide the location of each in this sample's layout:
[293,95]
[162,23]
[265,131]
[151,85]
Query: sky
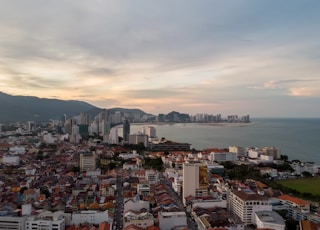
[240,57]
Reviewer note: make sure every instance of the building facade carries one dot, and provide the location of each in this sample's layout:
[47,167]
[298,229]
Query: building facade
[195,180]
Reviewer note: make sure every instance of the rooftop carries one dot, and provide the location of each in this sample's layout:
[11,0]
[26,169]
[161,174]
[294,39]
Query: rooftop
[270,217]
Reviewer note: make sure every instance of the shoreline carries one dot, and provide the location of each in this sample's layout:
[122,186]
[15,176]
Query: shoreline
[219,124]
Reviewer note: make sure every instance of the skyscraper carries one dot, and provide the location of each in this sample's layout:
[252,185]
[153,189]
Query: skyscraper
[126,131]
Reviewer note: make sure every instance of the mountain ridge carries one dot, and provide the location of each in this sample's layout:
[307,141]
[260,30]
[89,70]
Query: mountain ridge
[31,108]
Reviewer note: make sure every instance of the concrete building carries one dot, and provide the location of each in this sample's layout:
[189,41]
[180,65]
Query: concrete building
[300,167]
[126,131]
[168,146]
[269,220]
[271,151]
[91,217]
[150,131]
[223,156]
[12,222]
[46,220]
[113,136]
[297,208]
[152,176]
[244,203]
[240,151]
[172,220]
[87,161]
[139,138]
[137,205]
[75,134]
[143,189]
[140,219]
[10,160]
[195,180]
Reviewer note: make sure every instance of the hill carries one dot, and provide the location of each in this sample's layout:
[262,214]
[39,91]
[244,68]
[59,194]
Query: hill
[27,108]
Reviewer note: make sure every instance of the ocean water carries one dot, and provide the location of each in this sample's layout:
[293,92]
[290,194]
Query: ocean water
[296,138]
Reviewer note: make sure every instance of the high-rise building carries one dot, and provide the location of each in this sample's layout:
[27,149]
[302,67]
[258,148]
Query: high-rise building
[113,136]
[195,180]
[150,131]
[138,138]
[126,131]
[75,134]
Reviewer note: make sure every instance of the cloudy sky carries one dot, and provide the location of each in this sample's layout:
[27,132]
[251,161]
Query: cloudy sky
[231,57]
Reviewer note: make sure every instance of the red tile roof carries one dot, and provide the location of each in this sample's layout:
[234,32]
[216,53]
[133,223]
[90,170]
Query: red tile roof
[293,199]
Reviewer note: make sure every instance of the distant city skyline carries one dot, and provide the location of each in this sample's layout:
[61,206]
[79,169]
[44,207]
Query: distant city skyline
[236,57]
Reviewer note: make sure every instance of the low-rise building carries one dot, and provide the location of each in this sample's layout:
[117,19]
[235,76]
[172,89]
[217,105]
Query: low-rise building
[269,220]
[46,220]
[170,220]
[244,203]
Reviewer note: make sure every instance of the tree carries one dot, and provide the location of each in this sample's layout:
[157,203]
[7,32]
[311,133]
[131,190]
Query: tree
[23,189]
[76,169]
[306,174]
[44,190]
[284,157]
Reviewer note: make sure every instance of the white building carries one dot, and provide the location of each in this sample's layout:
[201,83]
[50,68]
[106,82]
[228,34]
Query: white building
[143,189]
[142,220]
[17,150]
[177,184]
[269,220]
[271,151]
[170,220]
[14,223]
[150,131]
[254,153]
[152,176]
[137,205]
[244,203]
[222,156]
[195,180]
[268,171]
[240,151]
[300,167]
[91,217]
[10,160]
[139,138]
[209,203]
[75,134]
[297,208]
[46,220]
[113,136]
[48,138]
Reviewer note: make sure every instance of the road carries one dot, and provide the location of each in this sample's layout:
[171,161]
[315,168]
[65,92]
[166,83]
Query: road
[117,222]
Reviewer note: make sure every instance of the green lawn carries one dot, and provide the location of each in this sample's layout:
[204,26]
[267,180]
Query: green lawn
[303,185]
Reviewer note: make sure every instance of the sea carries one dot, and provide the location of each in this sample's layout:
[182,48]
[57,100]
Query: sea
[298,138]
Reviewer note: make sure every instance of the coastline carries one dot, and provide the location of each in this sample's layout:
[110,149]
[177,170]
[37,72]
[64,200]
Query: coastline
[221,124]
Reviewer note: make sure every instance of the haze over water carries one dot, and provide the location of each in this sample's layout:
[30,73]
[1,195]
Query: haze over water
[296,138]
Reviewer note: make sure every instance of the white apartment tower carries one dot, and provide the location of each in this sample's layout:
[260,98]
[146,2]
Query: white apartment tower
[150,131]
[113,136]
[195,180]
